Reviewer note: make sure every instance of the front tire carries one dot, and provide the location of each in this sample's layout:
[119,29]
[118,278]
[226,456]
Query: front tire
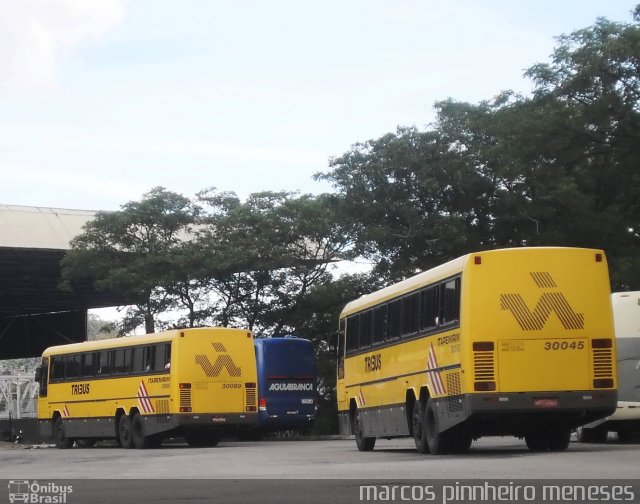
[363,443]
[59,437]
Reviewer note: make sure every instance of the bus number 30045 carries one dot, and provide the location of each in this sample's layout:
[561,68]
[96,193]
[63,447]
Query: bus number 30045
[564,345]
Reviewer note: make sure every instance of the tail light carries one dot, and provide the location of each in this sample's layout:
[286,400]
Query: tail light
[262,404]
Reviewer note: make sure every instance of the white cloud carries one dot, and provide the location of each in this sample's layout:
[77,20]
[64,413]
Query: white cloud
[35,35]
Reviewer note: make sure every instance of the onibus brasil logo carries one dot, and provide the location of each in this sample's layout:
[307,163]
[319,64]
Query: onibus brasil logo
[38,493]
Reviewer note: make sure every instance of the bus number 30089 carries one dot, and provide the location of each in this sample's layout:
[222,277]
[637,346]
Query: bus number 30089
[564,345]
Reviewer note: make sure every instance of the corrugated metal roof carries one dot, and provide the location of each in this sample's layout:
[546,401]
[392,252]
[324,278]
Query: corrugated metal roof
[40,227]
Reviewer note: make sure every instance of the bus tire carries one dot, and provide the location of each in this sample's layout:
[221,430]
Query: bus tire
[138,439]
[419,434]
[439,442]
[537,441]
[59,437]
[124,432]
[559,439]
[363,443]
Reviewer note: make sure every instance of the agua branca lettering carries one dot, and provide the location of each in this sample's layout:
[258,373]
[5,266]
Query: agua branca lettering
[290,387]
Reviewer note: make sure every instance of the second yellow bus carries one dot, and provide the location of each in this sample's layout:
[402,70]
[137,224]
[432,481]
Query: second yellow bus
[194,383]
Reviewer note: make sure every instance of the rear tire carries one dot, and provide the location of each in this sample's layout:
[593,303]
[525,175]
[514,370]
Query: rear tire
[363,443]
[439,442]
[538,441]
[138,439]
[419,434]
[124,432]
[59,437]
[559,440]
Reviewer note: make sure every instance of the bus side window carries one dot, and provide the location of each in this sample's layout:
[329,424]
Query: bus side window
[410,311]
[104,366]
[162,357]
[44,377]
[118,361]
[379,323]
[365,328]
[128,360]
[353,333]
[138,359]
[88,364]
[394,319]
[148,358]
[451,301]
[72,371]
[57,369]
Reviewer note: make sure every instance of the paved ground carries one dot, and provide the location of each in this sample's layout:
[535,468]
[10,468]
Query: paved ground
[392,459]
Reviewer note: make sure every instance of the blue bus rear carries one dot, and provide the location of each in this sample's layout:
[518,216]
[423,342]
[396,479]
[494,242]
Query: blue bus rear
[286,383]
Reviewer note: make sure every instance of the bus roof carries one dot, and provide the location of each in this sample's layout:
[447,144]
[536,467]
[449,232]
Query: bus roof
[106,344]
[433,275]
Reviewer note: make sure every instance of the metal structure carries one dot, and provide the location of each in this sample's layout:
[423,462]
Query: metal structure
[35,312]
[18,395]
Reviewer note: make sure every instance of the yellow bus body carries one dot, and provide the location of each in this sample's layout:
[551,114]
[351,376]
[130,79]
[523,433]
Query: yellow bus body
[204,385]
[528,350]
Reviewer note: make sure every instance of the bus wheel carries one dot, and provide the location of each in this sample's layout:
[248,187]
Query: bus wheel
[363,443]
[439,442]
[59,437]
[419,434]
[537,441]
[138,439]
[124,432]
[559,439]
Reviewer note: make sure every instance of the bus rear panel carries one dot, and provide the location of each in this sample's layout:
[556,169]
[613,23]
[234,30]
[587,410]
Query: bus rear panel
[286,383]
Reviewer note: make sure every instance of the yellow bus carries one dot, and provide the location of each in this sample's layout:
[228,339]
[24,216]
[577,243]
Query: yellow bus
[194,383]
[504,342]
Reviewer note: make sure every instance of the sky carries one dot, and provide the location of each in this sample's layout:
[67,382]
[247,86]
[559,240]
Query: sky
[102,100]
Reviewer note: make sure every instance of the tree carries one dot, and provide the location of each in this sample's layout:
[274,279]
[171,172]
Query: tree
[263,255]
[130,252]
[557,168]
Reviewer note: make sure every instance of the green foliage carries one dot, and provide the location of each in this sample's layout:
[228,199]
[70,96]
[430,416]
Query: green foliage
[557,168]
[131,252]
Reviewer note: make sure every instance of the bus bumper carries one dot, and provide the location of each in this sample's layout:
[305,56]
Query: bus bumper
[513,413]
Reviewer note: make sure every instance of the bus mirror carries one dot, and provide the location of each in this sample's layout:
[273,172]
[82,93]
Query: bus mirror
[38,375]
[333,342]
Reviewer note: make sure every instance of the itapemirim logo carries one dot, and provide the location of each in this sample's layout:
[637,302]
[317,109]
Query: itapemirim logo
[549,302]
[38,493]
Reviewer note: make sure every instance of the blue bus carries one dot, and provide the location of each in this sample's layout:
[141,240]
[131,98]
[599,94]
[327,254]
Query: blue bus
[287,394]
